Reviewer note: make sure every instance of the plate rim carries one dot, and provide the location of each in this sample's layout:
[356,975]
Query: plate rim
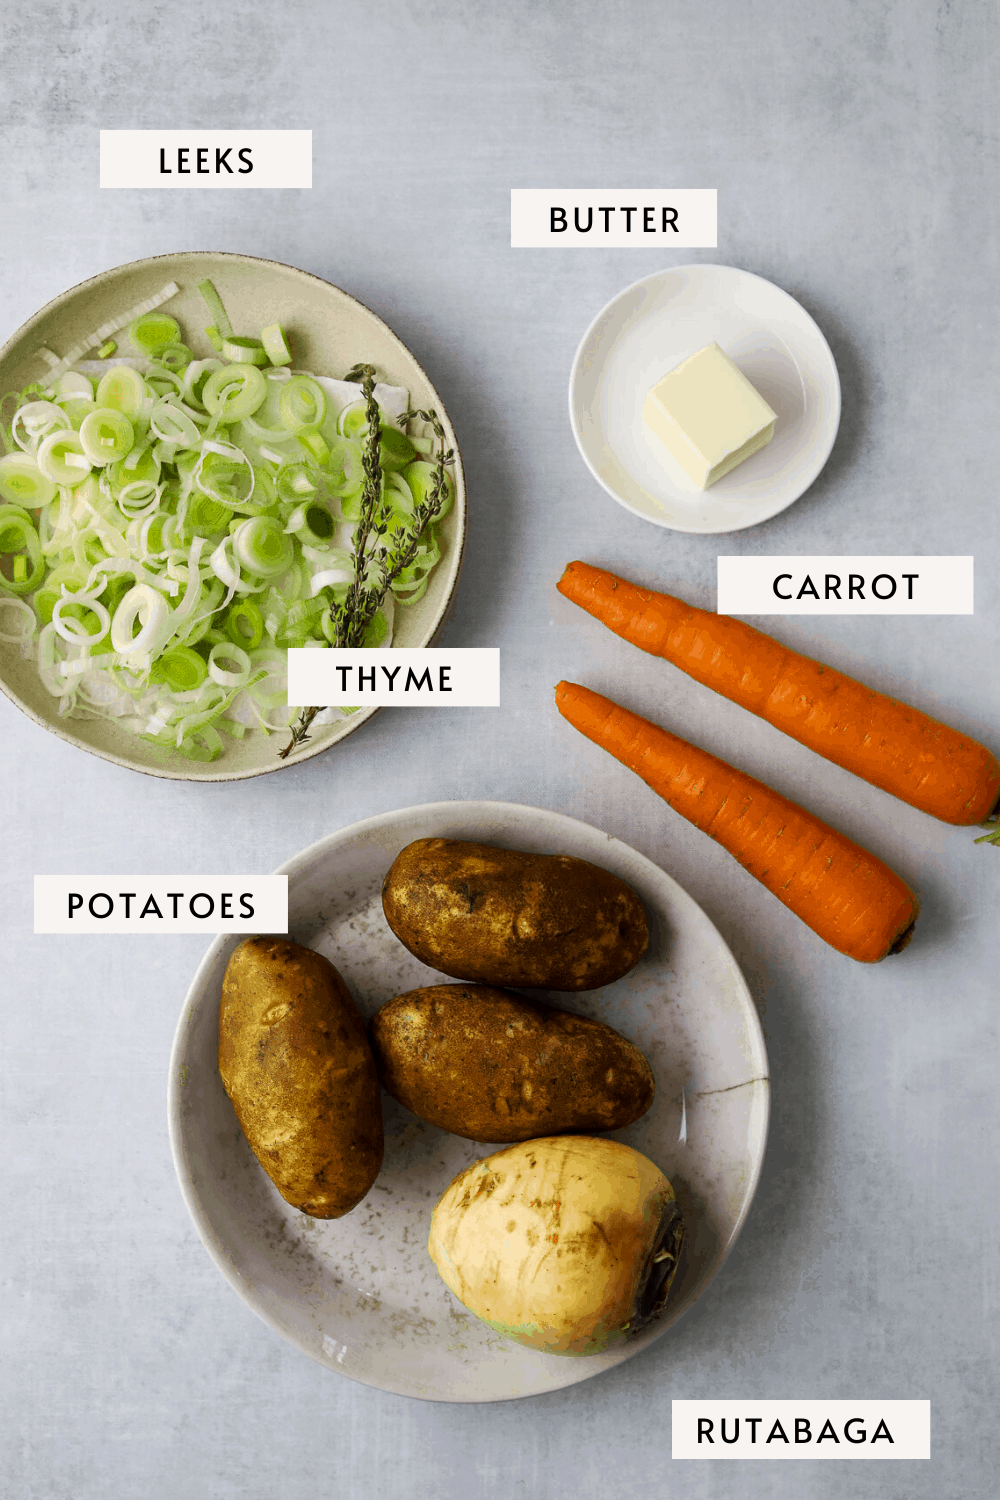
[578,1370]
[189,771]
[574,375]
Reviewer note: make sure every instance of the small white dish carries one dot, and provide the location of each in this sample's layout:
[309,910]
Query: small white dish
[647,330]
[360,1294]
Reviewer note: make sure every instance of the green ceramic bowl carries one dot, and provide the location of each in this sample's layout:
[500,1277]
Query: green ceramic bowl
[331,332]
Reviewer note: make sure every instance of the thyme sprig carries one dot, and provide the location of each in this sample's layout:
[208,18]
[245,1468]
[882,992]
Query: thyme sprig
[352,618]
[299,731]
[378,565]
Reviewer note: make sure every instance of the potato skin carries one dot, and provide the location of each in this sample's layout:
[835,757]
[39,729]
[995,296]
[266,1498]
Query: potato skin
[296,1063]
[492,1066]
[502,917]
[567,1244]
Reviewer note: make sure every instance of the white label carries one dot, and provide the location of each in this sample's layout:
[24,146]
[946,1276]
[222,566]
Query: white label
[845,586]
[161,903]
[801,1429]
[206,159]
[431,677]
[612,218]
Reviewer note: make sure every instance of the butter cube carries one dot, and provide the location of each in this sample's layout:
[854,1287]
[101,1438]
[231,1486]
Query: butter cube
[709,415]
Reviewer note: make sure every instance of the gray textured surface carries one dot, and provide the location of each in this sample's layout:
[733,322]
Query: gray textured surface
[855,152]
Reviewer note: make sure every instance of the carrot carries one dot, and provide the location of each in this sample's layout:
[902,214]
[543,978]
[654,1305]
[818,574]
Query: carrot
[851,899]
[884,741]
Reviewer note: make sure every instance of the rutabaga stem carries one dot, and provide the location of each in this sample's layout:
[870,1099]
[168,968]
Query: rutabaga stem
[993,824]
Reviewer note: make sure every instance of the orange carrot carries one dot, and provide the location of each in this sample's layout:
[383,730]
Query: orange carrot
[884,741]
[851,899]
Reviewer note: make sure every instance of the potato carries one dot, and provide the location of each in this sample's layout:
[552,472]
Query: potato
[296,1063]
[492,1066]
[568,1244]
[498,916]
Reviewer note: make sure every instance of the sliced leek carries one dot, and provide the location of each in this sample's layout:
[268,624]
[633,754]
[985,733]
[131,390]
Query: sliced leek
[153,331]
[23,483]
[62,458]
[171,525]
[106,435]
[233,392]
[244,351]
[122,389]
[275,344]
[216,311]
[302,404]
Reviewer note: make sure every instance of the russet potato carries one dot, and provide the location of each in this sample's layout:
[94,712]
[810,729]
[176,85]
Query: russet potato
[493,1066]
[567,1244]
[297,1066]
[503,917]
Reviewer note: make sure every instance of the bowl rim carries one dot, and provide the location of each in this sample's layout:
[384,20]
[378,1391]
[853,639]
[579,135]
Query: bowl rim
[314,747]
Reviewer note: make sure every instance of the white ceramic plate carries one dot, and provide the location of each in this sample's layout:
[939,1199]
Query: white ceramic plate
[329,331]
[360,1294]
[650,328]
